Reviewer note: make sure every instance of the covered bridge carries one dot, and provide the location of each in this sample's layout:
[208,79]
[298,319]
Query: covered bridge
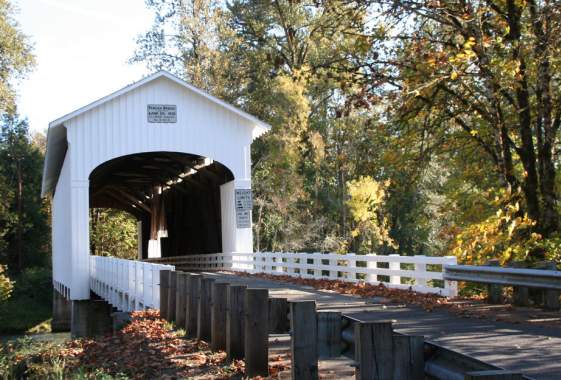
[175,157]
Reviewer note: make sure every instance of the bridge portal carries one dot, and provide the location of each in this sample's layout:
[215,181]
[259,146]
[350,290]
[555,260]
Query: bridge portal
[176,158]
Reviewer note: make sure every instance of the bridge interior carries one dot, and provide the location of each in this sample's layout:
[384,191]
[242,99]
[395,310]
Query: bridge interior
[175,196]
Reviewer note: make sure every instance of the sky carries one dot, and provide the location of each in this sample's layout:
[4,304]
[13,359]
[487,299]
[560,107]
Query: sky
[82,48]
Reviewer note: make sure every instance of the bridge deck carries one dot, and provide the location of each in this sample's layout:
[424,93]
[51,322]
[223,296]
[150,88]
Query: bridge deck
[533,350]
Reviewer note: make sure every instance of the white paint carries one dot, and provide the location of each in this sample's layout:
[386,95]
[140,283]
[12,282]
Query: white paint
[126,284]
[310,265]
[117,125]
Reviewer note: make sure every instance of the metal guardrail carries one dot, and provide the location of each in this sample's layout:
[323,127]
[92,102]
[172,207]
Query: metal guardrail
[531,278]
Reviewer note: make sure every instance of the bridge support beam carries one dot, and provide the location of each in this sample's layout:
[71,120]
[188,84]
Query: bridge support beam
[90,318]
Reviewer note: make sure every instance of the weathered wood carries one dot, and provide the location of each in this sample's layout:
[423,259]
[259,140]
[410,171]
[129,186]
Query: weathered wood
[303,345]
[171,296]
[256,338]
[278,316]
[329,334]
[520,296]
[204,315]
[218,318]
[409,362]
[180,296]
[494,291]
[551,299]
[235,322]
[374,350]
[192,306]
[164,291]
[493,375]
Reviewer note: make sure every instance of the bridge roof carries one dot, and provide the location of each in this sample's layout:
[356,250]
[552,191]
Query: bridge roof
[56,136]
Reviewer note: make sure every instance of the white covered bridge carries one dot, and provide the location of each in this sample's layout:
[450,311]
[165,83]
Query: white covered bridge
[179,160]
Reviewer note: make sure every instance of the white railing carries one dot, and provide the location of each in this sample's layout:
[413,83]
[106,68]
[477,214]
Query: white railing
[420,273]
[126,284]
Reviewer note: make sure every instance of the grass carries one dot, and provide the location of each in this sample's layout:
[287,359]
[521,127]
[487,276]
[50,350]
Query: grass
[29,309]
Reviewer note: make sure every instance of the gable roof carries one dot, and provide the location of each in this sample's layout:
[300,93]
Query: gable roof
[56,135]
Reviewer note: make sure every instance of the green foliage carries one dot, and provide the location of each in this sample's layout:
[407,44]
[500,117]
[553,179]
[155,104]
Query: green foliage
[17,58]
[113,233]
[24,216]
[30,303]
[6,286]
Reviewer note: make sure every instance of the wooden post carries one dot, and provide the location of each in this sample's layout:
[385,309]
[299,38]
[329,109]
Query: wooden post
[218,316]
[409,361]
[204,314]
[303,345]
[257,332]
[164,291]
[192,304]
[278,316]
[171,296]
[374,350]
[493,375]
[494,291]
[180,295]
[551,296]
[520,296]
[329,334]
[235,322]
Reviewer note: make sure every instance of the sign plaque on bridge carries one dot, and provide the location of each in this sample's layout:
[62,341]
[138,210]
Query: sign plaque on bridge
[162,113]
[244,203]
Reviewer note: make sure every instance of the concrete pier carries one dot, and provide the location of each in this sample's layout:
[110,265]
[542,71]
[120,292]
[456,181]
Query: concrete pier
[62,313]
[91,318]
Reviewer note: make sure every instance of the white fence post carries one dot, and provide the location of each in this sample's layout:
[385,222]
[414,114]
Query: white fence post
[420,270]
[451,286]
[395,266]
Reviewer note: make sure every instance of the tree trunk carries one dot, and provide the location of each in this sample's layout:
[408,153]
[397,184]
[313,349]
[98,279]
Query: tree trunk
[19,227]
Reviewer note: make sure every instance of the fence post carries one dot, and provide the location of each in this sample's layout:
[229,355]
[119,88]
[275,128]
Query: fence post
[303,343]
[452,286]
[495,292]
[192,304]
[409,361]
[420,271]
[180,295]
[164,291]
[371,267]
[257,342]
[204,325]
[395,266]
[171,295]
[235,322]
[218,318]
[374,350]
[351,265]
[278,316]
[329,334]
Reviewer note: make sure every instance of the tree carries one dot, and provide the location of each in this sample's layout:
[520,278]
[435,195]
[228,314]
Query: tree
[481,74]
[16,58]
[113,233]
[23,214]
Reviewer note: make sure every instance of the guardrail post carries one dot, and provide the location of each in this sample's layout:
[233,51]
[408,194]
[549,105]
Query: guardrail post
[257,342]
[235,322]
[304,340]
[409,361]
[192,304]
[204,315]
[180,296]
[493,375]
[420,271]
[164,291]
[374,350]
[329,334]
[218,318]
[172,296]
[278,316]
[495,291]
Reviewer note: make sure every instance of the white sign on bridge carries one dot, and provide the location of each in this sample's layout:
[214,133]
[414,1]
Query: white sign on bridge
[244,203]
[162,113]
